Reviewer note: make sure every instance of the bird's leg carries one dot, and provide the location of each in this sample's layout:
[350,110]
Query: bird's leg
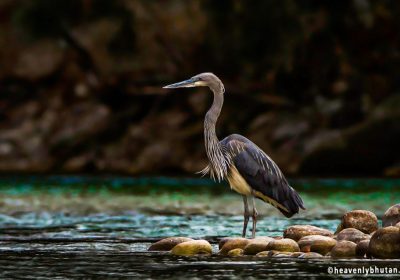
[255,214]
[246,215]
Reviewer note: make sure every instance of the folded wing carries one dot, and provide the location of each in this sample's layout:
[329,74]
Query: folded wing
[263,175]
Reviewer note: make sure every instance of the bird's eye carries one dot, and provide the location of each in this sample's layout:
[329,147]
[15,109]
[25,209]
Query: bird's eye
[199,79]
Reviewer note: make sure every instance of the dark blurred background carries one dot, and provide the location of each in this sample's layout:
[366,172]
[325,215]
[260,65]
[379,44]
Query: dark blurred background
[314,83]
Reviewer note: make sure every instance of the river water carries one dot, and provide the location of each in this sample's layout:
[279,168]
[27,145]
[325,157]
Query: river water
[64,227]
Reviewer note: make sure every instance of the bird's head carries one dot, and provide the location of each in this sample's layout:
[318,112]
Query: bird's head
[200,80]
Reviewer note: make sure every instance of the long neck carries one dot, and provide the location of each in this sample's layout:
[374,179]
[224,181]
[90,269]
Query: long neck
[218,163]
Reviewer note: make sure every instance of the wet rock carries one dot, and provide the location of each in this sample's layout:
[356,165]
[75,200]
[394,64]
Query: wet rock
[323,246]
[193,247]
[385,243]
[363,220]
[167,244]
[283,245]
[391,216]
[296,232]
[310,255]
[222,242]
[267,253]
[297,254]
[234,243]
[235,252]
[283,255]
[344,249]
[362,248]
[257,245]
[352,234]
[322,243]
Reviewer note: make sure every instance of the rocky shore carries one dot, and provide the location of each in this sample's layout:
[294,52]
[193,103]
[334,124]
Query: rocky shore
[358,235]
[84,94]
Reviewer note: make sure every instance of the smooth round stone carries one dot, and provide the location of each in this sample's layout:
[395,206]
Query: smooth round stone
[283,255]
[257,245]
[323,243]
[363,220]
[193,247]
[233,243]
[297,254]
[344,249]
[235,252]
[167,244]
[222,242]
[362,248]
[266,253]
[296,232]
[283,245]
[352,234]
[398,225]
[323,246]
[391,216]
[310,255]
[385,243]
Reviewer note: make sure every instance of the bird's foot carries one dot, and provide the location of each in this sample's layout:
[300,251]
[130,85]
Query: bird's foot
[254,216]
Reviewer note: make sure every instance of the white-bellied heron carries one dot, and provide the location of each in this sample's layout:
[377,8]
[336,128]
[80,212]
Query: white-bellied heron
[249,171]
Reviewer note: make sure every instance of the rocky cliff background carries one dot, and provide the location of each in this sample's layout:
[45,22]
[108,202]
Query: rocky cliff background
[314,83]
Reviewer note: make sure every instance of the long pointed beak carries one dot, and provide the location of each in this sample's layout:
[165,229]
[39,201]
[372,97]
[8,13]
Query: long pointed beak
[187,83]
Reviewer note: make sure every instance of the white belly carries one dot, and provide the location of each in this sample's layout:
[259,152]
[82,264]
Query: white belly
[237,182]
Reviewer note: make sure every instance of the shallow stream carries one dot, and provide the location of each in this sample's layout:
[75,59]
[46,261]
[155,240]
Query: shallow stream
[63,227]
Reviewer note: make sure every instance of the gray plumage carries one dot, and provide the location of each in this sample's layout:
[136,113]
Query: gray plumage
[248,169]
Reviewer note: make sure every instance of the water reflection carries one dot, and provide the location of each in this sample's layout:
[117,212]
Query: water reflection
[145,226]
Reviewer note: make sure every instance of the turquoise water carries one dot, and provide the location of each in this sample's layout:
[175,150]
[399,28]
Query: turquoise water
[101,227]
[161,206]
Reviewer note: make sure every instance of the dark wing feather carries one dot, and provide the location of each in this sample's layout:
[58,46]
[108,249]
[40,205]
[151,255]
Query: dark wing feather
[262,174]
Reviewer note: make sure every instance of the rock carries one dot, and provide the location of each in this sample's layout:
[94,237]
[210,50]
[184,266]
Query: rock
[167,244]
[323,244]
[193,247]
[235,252]
[267,253]
[296,232]
[352,234]
[283,255]
[362,248]
[385,243]
[391,216]
[233,243]
[223,241]
[322,152]
[310,255]
[344,249]
[257,245]
[283,245]
[297,254]
[398,224]
[40,60]
[392,171]
[363,220]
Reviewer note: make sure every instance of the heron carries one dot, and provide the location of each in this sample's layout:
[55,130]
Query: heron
[247,168]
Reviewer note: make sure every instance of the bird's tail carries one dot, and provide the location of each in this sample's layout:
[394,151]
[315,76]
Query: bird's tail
[292,203]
